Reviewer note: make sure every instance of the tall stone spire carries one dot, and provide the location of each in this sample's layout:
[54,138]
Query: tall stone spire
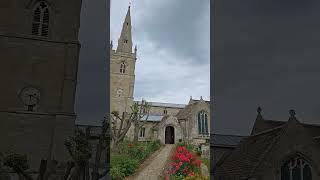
[125,40]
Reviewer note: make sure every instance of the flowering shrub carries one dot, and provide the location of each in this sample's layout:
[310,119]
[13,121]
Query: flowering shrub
[184,163]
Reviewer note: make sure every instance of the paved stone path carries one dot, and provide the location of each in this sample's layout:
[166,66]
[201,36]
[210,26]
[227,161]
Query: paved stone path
[154,169]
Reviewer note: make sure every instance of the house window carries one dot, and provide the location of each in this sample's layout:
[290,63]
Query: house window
[296,169]
[202,122]
[125,41]
[40,21]
[142,132]
[123,68]
[165,111]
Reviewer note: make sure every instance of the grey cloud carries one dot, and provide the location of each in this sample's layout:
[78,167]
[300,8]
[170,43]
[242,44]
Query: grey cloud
[267,54]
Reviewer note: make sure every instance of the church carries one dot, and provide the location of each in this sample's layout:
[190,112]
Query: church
[167,122]
[39,50]
[279,150]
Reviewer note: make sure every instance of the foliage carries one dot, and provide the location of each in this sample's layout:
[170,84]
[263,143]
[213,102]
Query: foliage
[198,151]
[79,147]
[117,173]
[184,163]
[131,155]
[15,161]
[196,177]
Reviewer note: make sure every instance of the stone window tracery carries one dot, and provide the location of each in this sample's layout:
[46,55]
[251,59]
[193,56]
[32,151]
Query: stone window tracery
[296,169]
[40,20]
[202,122]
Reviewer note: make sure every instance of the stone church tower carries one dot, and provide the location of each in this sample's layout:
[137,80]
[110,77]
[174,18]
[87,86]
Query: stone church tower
[39,51]
[122,69]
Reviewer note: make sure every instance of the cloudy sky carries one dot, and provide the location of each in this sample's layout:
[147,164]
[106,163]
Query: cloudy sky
[173,47]
[267,54]
[91,96]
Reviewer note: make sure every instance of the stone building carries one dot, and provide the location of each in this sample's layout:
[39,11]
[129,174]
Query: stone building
[168,122]
[39,51]
[279,150]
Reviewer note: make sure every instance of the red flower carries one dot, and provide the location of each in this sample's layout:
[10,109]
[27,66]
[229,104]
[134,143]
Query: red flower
[130,145]
[191,173]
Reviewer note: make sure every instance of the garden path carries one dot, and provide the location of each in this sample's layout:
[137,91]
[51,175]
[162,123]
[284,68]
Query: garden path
[154,169]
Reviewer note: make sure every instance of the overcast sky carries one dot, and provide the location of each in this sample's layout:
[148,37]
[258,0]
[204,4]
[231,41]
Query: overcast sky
[173,47]
[91,96]
[267,54]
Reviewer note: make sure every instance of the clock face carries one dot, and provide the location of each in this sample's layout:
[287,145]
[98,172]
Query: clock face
[30,96]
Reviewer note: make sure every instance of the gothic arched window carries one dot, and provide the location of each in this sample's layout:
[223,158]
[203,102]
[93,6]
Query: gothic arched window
[123,68]
[202,122]
[296,169]
[40,20]
[142,132]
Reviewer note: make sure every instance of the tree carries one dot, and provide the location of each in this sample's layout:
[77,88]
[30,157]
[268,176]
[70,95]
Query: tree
[143,111]
[79,147]
[122,123]
[80,151]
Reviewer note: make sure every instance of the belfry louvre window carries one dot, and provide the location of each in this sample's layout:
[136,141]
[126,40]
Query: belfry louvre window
[202,122]
[296,169]
[40,21]
[123,68]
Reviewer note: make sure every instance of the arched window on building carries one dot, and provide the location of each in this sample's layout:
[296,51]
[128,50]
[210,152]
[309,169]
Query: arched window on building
[123,67]
[165,112]
[296,169]
[142,132]
[202,122]
[40,20]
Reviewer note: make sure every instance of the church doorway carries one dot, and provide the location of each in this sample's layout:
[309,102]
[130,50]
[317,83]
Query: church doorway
[169,135]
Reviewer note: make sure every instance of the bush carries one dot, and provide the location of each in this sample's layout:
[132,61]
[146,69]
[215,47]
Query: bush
[184,163]
[117,173]
[131,155]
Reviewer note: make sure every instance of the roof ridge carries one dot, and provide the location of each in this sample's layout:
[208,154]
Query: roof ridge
[305,124]
[268,149]
[163,102]
[229,135]
[268,130]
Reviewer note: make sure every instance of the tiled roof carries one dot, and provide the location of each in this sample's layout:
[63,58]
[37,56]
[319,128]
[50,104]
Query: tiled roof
[242,161]
[252,150]
[313,129]
[159,104]
[225,140]
[153,118]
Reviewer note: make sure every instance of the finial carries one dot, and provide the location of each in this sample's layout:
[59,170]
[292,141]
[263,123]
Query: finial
[111,44]
[259,110]
[190,97]
[200,97]
[292,113]
[135,48]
